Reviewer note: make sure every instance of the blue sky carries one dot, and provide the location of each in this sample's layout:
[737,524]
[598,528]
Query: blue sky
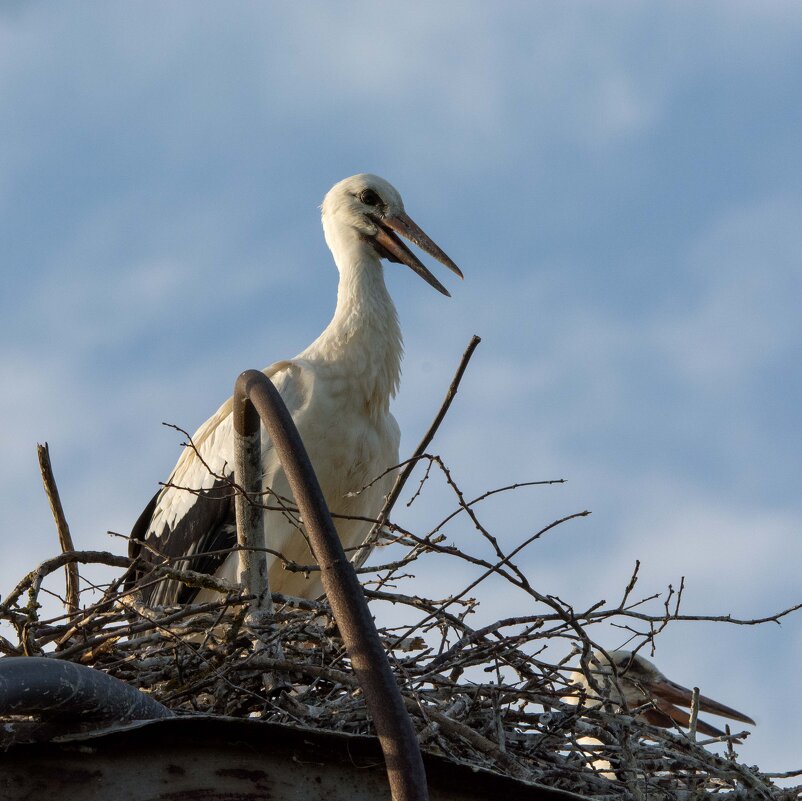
[620,183]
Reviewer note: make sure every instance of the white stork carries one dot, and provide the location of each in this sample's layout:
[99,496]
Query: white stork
[636,683]
[338,391]
[632,683]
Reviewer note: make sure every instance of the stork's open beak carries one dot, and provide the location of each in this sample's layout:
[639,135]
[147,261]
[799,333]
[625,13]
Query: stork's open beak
[390,246]
[666,693]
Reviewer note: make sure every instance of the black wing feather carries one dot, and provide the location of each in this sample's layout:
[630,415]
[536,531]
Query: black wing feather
[208,525]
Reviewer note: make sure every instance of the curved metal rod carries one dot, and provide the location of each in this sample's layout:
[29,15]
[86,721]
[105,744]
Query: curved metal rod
[399,742]
[31,685]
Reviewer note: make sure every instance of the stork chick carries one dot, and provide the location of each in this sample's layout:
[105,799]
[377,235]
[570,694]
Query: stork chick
[633,682]
[338,392]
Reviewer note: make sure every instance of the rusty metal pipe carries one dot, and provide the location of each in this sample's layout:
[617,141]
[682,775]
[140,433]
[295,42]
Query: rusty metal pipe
[57,689]
[399,742]
[249,509]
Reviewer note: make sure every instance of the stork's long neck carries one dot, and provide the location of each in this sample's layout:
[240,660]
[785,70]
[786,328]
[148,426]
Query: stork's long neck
[362,343]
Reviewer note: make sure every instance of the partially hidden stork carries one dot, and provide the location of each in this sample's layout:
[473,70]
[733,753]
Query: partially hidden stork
[338,392]
[633,683]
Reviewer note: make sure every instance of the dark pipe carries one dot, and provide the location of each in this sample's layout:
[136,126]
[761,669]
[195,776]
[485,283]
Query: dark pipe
[394,728]
[35,684]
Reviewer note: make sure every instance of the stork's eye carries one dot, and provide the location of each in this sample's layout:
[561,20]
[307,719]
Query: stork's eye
[370,198]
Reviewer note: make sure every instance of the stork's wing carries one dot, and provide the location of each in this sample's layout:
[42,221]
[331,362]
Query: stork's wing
[189,523]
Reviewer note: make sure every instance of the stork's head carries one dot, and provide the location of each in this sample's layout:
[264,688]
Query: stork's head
[633,682]
[619,677]
[364,214]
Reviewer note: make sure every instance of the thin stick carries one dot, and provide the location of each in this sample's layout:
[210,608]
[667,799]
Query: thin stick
[64,537]
[694,713]
[401,480]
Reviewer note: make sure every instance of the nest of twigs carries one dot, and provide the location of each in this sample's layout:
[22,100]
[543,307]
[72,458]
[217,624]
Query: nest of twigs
[485,695]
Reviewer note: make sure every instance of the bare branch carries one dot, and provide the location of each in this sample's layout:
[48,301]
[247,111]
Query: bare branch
[401,480]
[64,536]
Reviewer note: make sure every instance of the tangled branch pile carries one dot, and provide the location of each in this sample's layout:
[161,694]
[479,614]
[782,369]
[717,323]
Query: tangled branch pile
[486,696]
[491,696]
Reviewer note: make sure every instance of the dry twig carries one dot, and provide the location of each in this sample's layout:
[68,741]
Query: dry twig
[64,537]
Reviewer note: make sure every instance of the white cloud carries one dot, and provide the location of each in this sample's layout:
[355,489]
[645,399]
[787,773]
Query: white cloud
[726,548]
[745,309]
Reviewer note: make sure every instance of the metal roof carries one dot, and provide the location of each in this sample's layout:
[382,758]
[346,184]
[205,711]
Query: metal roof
[205,758]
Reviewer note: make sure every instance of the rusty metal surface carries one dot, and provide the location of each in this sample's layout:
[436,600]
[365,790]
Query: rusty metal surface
[249,509]
[227,759]
[396,733]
